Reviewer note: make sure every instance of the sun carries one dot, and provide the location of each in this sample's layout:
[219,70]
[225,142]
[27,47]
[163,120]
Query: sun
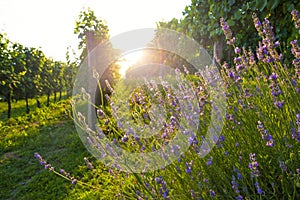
[128,60]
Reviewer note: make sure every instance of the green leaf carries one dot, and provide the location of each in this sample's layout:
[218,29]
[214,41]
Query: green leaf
[237,16]
[231,2]
[230,22]
[273,4]
[261,4]
[291,7]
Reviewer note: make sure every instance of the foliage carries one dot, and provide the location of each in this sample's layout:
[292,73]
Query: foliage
[256,156]
[97,50]
[86,24]
[27,73]
[201,22]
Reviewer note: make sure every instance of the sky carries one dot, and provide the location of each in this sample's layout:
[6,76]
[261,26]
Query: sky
[49,24]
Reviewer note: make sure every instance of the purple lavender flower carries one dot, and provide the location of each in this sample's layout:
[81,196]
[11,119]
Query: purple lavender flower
[163,189]
[239,176]
[138,193]
[273,76]
[158,179]
[38,156]
[266,51]
[247,93]
[282,165]
[231,74]
[74,181]
[137,138]
[295,135]
[125,138]
[100,113]
[265,134]
[257,24]
[173,121]
[237,50]
[235,185]
[192,193]
[294,82]
[192,139]
[270,141]
[295,48]
[253,166]
[296,19]
[176,149]
[63,172]
[188,168]
[47,166]
[228,33]
[239,67]
[240,197]
[209,162]
[212,193]
[279,104]
[109,86]
[296,52]
[276,44]
[166,194]
[88,163]
[42,161]
[258,189]
[275,90]
[222,138]
[51,168]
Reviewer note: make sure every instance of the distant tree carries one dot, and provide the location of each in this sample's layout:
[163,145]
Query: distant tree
[57,76]
[70,70]
[46,77]
[201,21]
[7,76]
[32,79]
[25,73]
[39,81]
[19,64]
[92,31]
[88,24]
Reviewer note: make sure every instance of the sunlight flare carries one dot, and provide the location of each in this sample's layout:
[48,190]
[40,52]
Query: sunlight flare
[128,61]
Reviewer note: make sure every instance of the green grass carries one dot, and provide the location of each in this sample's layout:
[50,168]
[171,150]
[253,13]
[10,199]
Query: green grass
[48,131]
[51,132]
[19,108]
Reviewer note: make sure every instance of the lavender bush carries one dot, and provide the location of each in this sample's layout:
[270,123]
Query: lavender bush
[257,155]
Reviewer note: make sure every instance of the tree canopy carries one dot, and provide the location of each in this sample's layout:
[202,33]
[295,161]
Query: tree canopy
[201,21]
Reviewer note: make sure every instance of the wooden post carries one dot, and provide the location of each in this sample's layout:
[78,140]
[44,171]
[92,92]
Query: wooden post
[91,43]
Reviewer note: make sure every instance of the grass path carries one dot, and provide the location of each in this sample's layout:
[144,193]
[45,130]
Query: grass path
[48,131]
